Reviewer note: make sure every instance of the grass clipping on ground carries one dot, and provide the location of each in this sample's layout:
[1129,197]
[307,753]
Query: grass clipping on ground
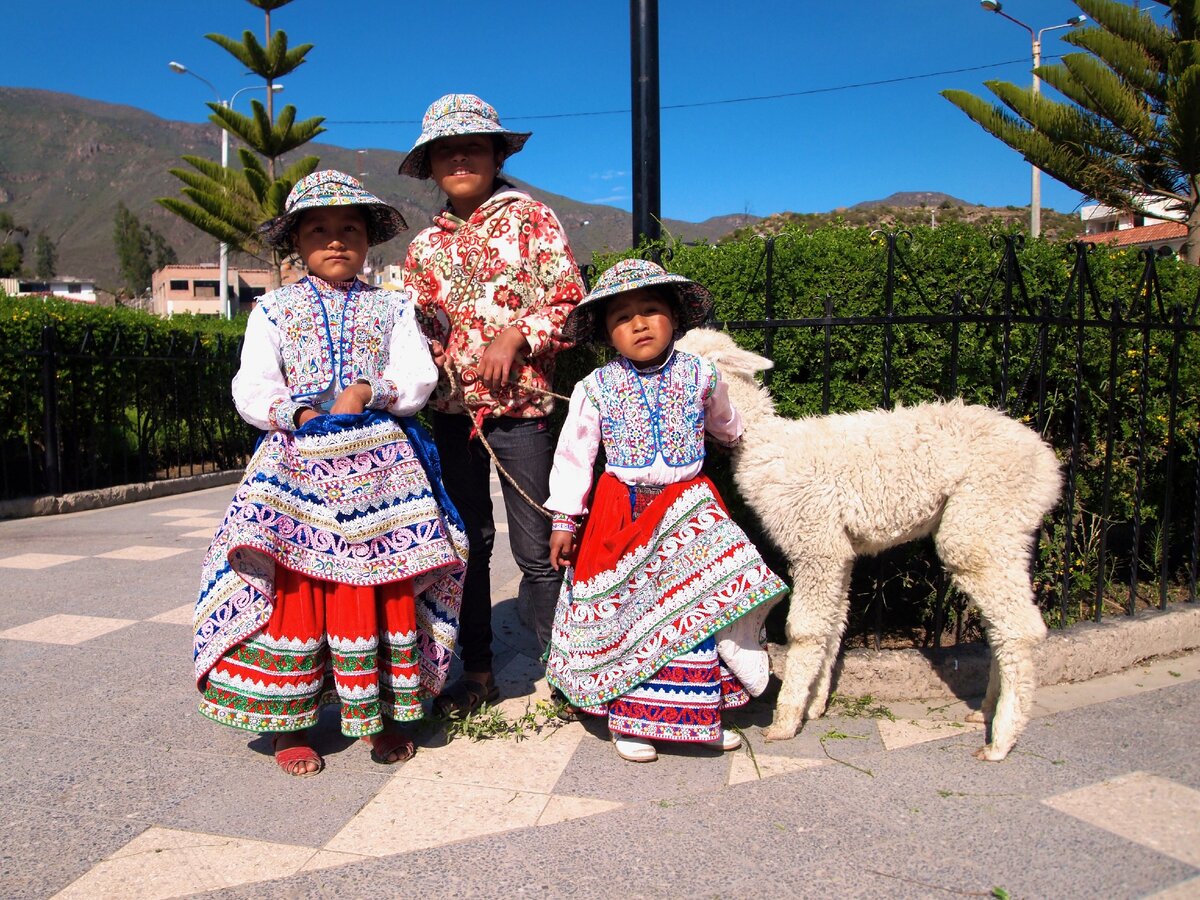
[491,723]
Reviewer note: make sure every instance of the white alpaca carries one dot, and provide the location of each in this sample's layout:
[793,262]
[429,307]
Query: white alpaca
[831,488]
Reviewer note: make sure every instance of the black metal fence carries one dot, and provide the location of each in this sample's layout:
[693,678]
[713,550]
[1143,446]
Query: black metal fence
[120,409]
[1109,377]
[1109,373]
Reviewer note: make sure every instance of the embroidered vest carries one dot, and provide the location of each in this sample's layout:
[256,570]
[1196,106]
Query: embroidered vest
[642,415]
[328,338]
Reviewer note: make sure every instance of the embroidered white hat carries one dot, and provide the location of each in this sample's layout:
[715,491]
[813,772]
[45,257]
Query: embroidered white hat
[584,323]
[330,187]
[456,114]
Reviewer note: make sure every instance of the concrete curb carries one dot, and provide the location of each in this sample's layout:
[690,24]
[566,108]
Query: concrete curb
[1082,652]
[24,507]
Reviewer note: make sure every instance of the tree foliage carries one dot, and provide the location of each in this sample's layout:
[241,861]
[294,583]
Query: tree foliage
[229,204]
[45,257]
[1130,129]
[11,251]
[140,251]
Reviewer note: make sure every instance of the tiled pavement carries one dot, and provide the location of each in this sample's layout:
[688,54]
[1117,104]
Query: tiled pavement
[112,785]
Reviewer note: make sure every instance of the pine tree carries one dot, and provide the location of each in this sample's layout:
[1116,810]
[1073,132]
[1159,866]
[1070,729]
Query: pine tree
[45,257]
[1130,132]
[133,251]
[12,252]
[140,251]
[228,203]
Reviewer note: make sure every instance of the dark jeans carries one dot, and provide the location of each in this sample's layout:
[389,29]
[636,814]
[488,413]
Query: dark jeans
[526,450]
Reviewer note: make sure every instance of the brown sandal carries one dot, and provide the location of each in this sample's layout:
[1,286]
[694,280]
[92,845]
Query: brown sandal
[464,697]
[291,759]
[390,743]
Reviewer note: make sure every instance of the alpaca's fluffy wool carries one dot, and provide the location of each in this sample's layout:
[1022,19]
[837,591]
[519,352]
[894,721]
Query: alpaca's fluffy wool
[831,488]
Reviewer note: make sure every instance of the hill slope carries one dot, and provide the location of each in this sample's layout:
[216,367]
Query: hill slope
[66,161]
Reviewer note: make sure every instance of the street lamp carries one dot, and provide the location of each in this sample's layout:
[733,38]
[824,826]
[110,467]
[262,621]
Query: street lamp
[1035,39]
[223,290]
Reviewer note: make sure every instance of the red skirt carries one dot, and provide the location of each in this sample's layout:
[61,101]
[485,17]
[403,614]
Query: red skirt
[324,643]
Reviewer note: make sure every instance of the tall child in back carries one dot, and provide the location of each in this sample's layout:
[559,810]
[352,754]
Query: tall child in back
[658,629]
[338,570]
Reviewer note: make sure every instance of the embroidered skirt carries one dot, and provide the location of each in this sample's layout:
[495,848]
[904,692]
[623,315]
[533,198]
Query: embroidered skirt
[633,630]
[347,502]
[324,643]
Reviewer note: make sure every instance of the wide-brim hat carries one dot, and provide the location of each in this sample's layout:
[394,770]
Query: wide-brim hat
[585,321]
[330,187]
[456,114]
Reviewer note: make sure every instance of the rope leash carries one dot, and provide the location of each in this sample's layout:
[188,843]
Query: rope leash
[477,421]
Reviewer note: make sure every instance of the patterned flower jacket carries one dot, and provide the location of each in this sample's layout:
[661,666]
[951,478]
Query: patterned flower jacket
[306,342]
[508,265]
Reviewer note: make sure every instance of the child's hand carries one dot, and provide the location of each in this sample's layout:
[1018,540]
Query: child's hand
[496,363]
[438,353]
[305,415]
[562,549]
[353,399]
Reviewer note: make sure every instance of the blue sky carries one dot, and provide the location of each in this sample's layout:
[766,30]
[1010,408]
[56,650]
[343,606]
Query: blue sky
[384,61]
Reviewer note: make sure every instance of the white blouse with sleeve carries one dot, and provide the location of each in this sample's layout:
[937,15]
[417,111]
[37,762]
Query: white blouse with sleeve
[571,474]
[262,396]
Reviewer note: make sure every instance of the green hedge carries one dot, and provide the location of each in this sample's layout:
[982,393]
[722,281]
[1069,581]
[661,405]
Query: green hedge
[935,268]
[138,397]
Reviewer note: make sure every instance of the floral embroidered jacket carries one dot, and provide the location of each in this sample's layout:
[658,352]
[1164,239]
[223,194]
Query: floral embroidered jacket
[508,265]
[651,422]
[306,342]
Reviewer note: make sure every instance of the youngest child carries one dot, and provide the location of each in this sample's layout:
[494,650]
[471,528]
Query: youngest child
[662,572]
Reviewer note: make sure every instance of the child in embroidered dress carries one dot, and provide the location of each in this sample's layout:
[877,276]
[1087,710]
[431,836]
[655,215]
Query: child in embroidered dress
[494,279]
[337,573]
[658,626]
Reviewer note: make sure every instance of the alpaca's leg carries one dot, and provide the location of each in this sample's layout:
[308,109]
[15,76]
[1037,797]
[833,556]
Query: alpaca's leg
[816,618]
[988,710]
[995,574]
[1018,682]
[820,695]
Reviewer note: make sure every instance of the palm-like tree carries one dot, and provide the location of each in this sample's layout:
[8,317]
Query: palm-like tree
[1129,132]
[230,203]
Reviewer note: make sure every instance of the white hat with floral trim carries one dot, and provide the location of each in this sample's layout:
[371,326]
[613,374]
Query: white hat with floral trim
[329,187]
[694,301]
[456,114]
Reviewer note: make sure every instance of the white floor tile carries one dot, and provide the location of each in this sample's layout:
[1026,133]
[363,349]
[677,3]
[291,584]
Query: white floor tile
[36,560]
[164,862]
[1146,809]
[180,615]
[65,629]
[143,553]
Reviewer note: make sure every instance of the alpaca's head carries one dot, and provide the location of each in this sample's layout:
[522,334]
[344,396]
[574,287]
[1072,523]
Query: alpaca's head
[720,348]
[737,367]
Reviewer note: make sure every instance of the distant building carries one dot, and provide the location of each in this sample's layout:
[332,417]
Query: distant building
[197,289]
[81,290]
[1121,228]
[389,277]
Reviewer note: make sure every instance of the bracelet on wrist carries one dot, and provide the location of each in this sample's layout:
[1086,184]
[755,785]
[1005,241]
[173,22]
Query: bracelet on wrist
[564,523]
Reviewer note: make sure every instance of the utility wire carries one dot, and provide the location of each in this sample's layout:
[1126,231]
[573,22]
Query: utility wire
[702,103]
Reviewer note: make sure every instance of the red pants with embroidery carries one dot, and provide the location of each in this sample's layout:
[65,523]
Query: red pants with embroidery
[324,642]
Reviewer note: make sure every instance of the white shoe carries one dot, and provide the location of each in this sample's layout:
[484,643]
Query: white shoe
[741,649]
[634,749]
[729,740]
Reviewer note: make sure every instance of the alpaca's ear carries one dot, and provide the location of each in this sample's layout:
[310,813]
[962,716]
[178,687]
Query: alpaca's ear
[719,348]
[742,361]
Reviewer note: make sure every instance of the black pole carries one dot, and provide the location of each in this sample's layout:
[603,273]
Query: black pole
[643,52]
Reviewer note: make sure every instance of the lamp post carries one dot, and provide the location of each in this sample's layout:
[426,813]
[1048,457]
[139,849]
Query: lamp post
[223,269]
[1035,39]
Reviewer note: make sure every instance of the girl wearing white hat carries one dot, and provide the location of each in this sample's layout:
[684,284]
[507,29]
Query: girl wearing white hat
[337,571]
[494,279]
[657,628]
